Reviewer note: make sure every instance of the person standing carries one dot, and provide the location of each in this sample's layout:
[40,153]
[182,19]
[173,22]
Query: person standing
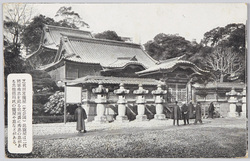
[198,113]
[80,116]
[191,110]
[185,113]
[211,110]
[176,113]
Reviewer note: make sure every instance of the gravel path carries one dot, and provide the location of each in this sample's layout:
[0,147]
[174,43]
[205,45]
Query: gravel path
[151,139]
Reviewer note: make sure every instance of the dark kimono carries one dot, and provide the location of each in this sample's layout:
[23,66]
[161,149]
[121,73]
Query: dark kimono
[80,116]
[176,114]
[211,110]
[191,110]
[198,113]
[185,113]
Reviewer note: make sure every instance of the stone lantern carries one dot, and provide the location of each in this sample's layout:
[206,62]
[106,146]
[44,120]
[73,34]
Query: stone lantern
[244,101]
[140,92]
[101,100]
[121,92]
[159,100]
[232,102]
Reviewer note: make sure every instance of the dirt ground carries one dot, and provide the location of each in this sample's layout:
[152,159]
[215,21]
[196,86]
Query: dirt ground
[215,138]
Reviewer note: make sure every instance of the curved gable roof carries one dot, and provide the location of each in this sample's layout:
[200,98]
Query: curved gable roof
[104,52]
[170,65]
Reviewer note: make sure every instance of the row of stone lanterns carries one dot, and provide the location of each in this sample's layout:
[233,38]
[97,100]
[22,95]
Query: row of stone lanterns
[233,100]
[101,100]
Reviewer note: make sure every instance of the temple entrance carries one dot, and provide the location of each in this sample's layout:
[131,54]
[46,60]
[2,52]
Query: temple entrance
[177,92]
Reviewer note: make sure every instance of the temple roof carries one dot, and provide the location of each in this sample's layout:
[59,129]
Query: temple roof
[53,34]
[105,52]
[170,65]
[51,37]
[113,80]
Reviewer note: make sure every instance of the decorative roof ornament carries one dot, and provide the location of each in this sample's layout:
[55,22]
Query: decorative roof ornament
[100,89]
[121,90]
[232,92]
[159,90]
[140,90]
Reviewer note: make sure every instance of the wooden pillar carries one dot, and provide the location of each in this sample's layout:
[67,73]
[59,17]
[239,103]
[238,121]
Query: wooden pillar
[65,105]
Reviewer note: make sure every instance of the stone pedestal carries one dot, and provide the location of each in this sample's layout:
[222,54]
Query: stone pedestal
[159,93]
[141,118]
[232,109]
[121,92]
[101,119]
[232,103]
[244,101]
[101,100]
[141,103]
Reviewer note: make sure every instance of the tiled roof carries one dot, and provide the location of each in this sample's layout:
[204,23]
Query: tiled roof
[54,34]
[219,85]
[105,52]
[170,64]
[47,66]
[113,80]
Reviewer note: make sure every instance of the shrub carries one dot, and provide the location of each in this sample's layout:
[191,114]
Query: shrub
[55,105]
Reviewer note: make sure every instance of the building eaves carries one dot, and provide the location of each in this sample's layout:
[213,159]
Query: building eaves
[113,80]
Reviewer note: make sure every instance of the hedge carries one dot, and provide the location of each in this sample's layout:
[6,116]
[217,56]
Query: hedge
[52,119]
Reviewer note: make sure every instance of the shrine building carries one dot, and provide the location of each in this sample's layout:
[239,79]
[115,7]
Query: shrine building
[74,58]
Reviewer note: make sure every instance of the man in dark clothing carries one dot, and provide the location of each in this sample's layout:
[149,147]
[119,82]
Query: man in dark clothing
[176,113]
[80,116]
[211,110]
[191,110]
[198,113]
[185,113]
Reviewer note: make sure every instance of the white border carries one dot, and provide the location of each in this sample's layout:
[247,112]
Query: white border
[2,146]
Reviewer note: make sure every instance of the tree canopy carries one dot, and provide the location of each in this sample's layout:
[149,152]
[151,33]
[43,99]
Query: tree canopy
[73,19]
[168,46]
[231,36]
[222,51]
[32,33]
[109,35]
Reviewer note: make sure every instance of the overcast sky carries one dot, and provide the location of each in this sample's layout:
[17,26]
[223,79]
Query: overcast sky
[143,21]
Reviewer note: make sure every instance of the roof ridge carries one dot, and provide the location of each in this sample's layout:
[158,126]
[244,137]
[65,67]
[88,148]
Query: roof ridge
[66,28]
[172,59]
[79,38]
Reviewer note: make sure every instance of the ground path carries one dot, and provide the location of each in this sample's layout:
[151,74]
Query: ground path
[61,130]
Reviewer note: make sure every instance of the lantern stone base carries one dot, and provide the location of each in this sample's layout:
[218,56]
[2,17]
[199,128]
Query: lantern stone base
[159,117]
[121,119]
[243,114]
[232,114]
[141,118]
[110,118]
[101,119]
[232,111]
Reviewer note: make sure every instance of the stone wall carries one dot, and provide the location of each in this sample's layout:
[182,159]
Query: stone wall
[216,93]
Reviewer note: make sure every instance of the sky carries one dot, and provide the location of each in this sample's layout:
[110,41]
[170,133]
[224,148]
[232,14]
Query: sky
[144,21]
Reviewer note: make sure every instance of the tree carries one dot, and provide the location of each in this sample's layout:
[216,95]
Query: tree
[168,46]
[43,87]
[70,17]
[109,35]
[16,17]
[32,33]
[224,63]
[231,36]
